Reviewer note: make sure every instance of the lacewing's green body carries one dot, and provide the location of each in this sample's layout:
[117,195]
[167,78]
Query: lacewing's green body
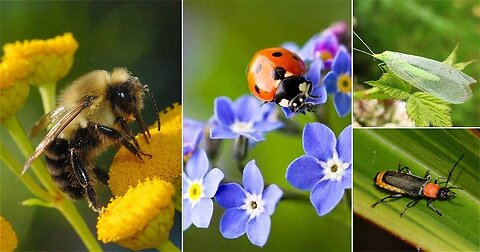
[437,78]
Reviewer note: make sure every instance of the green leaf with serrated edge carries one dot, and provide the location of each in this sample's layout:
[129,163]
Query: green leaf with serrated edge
[37,202]
[436,150]
[452,58]
[392,85]
[427,110]
[460,66]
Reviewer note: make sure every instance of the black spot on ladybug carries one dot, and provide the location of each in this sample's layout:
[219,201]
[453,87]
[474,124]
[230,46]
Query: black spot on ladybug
[258,68]
[257,89]
[279,73]
[295,57]
[277,54]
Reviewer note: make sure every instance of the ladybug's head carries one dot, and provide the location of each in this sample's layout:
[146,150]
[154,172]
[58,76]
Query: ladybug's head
[292,93]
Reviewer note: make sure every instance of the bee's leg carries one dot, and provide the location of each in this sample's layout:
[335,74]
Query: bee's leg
[393,196]
[101,175]
[80,171]
[117,136]
[410,204]
[128,131]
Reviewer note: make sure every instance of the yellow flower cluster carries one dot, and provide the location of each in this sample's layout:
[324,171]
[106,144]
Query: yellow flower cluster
[14,87]
[165,148]
[8,238]
[140,219]
[48,60]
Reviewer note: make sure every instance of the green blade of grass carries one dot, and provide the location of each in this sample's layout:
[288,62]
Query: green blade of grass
[421,150]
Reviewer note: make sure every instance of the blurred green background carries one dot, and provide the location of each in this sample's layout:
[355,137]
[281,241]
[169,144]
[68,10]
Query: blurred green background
[427,28]
[144,36]
[220,37]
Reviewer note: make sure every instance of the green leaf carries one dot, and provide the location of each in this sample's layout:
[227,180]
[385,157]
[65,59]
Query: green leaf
[392,85]
[452,60]
[436,150]
[427,110]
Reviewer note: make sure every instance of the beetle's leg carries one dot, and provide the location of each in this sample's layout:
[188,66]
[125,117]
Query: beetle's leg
[410,204]
[429,203]
[101,175]
[427,176]
[400,168]
[392,196]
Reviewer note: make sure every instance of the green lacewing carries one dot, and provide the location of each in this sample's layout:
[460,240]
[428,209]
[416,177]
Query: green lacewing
[434,77]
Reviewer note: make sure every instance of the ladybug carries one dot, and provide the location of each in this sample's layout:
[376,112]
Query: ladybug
[276,75]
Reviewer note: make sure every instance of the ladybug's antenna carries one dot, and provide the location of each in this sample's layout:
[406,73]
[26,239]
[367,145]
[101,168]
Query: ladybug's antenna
[451,171]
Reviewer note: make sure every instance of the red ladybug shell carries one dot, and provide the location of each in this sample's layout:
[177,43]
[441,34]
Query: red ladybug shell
[261,71]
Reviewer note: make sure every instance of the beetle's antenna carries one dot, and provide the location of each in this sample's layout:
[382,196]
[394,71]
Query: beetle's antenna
[365,44]
[451,171]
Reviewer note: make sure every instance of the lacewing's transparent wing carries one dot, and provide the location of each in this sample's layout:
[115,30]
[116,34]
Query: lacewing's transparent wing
[437,78]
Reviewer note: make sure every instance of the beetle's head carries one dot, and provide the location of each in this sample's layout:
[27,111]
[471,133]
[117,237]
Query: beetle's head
[444,193]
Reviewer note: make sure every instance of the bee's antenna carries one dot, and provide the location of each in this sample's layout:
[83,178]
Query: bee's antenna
[451,171]
[145,87]
[143,127]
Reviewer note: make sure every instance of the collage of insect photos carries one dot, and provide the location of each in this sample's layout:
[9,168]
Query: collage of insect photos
[247,125]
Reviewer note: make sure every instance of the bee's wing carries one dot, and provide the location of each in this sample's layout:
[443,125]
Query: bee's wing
[61,123]
[48,119]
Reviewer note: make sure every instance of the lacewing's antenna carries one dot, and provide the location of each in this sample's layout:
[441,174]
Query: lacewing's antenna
[365,44]
[367,53]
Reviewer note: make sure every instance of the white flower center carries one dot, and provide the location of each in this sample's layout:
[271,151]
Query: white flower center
[254,205]
[194,192]
[334,168]
[242,127]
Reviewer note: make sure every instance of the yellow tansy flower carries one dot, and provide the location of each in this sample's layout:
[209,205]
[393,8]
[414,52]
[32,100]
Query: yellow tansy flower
[14,87]
[140,219]
[49,60]
[8,238]
[166,150]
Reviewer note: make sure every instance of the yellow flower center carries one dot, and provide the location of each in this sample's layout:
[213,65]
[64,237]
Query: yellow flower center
[344,83]
[325,55]
[195,191]
[334,168]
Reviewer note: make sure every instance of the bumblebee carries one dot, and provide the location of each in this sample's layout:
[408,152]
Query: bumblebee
[92,114]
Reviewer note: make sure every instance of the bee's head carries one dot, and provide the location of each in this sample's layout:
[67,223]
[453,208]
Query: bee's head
[125,94]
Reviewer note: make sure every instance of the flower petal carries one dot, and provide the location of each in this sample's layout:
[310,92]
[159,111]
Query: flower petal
[347,178]
[319,141]
[202,213]
[220,132]
[233,223]
[344,145]
[287,112]
[320,92]
[304,172]
[326,195]
[254,136]
[186,214]
[271,196]
[211,182]
[265,126]
[197,165]
[252,178]
[341,62]
[224,112]
[230,195]
[247,108]
[258,229]
[314,71]
[330,82]
[343,104]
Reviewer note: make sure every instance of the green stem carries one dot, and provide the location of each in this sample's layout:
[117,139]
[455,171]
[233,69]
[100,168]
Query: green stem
[48,93]
[63,204]
[7,157]
[18,135]
[168,246]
